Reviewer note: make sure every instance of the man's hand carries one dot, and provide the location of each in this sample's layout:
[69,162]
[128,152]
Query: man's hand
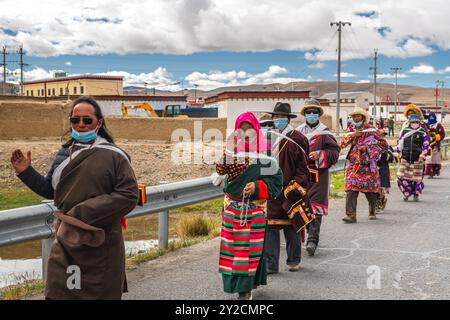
[357,134]
[250,189]
[314,155]
[422,157]
[19,161]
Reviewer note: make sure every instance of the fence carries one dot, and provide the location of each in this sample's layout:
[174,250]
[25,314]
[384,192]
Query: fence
[36,222]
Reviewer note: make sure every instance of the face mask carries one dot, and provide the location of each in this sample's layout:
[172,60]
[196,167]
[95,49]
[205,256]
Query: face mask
[357,124]
[280,123]
[312,118]
[84,137]
[415,126]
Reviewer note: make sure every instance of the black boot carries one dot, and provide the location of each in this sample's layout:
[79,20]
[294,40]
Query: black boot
[311,248]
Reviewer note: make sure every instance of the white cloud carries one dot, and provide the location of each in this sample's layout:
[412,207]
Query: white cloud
[346,75]
[68,63]
[161,78]
[215,79]
[363,81]
[317,65]
[423,68]
[402,28]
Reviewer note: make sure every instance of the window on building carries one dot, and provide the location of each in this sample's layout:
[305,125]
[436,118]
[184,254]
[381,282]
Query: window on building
[61,91]
[74,90]
[366,100]
[28,93]
[67,90]
[49,92]
[353,100]
[32,93]
[53,92]
[81,90]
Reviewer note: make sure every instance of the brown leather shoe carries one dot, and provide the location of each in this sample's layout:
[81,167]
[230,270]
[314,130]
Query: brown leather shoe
[349,218]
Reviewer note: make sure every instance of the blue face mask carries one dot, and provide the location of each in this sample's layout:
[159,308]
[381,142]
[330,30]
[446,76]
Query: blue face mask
[312,118]
[280,123]
[357,124]
[84,137]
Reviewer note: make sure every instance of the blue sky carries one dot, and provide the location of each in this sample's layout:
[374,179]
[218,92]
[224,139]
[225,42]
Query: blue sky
[214,43]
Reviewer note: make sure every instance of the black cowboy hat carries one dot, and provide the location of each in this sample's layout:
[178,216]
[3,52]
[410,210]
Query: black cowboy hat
[284,109]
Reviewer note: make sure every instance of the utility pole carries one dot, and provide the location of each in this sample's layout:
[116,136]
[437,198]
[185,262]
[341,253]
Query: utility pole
[396,70]
[4,70]
[195,92]
[442,83]
[374,68]
[21,53]
[339,25]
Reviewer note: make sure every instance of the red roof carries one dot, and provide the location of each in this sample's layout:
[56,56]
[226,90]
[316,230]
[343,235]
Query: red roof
[140,98]
[81,77]
[258,94]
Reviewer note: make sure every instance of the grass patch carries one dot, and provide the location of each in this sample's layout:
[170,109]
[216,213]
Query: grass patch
[18,196]
[19,291]
[337,186]
[197,226]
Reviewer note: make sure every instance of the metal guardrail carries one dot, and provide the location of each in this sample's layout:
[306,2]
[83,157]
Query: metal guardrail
[36,222]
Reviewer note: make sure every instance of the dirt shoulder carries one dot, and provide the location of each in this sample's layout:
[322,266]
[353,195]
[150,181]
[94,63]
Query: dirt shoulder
[151,161]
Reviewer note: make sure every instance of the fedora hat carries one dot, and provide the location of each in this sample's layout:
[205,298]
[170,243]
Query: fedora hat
[361,111]
[76,233]
[283,109]
[312,104]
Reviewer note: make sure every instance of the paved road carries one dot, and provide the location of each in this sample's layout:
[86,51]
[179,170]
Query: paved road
[409,243]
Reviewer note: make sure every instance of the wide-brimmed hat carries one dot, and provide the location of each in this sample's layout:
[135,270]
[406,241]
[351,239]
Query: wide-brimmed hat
[312,104]
[361,111]
[283,109]
[76,232]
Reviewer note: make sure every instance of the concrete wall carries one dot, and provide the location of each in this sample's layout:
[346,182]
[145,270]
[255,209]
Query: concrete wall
[161,129]
[23,120]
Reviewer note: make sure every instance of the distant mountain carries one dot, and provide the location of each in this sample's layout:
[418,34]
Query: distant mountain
[407,93]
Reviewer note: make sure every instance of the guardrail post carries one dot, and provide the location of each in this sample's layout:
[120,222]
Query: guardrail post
[163,229]
[46,245]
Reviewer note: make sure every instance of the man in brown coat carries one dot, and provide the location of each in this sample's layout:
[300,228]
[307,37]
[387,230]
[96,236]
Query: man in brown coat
[290,211]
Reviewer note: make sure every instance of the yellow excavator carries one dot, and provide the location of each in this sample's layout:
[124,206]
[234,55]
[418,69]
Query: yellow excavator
[170,111]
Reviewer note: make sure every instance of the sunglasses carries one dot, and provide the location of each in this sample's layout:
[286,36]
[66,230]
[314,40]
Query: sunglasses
[312,112]
[76,120]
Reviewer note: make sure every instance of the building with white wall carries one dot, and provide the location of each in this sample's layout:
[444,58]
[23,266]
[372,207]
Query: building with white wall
[231,104]
[348,102]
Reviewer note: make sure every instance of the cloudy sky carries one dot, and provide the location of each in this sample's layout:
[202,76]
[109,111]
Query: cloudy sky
[211,43]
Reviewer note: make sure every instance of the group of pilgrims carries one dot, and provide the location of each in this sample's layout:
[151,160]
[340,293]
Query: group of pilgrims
[276,177]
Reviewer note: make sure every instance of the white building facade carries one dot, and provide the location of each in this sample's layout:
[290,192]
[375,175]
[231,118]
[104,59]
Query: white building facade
[231,104]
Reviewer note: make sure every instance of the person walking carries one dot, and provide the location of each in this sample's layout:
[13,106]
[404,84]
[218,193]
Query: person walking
[361,174]
[252,178]
[413,147]
[323,153]
[433,162]
[290,211]
[93,186]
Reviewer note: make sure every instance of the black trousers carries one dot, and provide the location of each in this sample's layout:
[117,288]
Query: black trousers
[352,201]
[314,230]
[272,247]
